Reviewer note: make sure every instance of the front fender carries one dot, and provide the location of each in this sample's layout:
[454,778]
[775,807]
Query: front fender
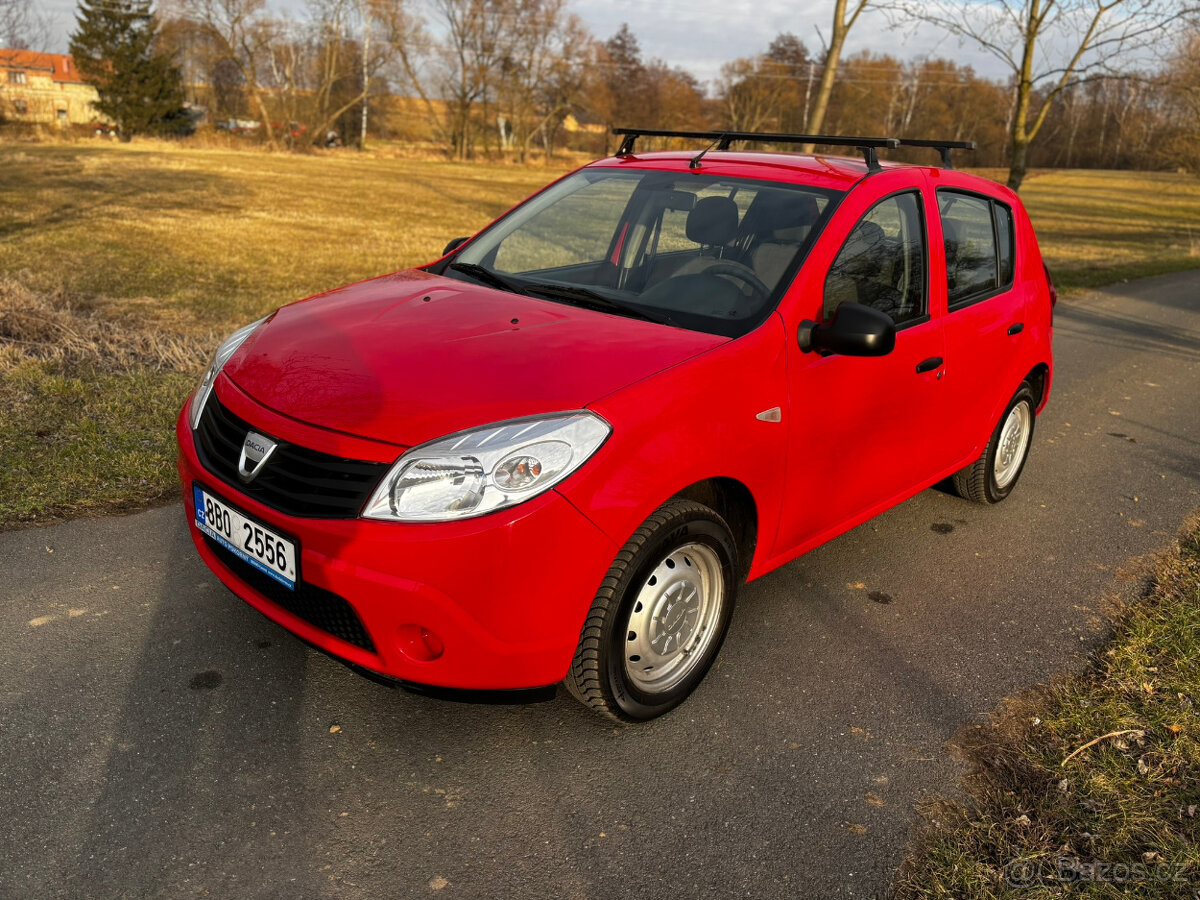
[695,421]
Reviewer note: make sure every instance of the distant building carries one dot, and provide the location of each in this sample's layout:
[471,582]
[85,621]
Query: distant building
[44,89]
[572,125]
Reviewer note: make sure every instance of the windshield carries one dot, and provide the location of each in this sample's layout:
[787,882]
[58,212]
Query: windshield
[704,252]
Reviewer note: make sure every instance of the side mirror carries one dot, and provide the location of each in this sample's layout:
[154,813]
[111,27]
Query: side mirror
[856,330]
[454,245]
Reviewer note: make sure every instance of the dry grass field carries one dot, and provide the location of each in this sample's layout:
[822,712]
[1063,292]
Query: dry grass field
[218,236]
[122,266]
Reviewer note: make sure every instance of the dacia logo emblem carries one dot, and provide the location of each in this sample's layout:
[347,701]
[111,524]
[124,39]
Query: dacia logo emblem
[256,450]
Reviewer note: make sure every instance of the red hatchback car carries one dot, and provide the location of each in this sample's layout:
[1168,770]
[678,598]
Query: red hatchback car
[555,453]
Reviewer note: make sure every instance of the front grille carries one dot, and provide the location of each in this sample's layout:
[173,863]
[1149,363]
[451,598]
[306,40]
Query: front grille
[295,481]
[318,607]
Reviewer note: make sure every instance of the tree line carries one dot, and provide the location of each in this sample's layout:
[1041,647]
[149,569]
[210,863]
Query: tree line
[1089,83]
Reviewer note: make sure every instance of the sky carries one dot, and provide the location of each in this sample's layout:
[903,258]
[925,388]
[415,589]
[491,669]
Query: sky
[701,35]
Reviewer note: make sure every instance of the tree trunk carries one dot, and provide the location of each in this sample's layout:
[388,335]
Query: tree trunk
[816,116]
[1017,164]
[1019,136]
[263,116]
[366,84]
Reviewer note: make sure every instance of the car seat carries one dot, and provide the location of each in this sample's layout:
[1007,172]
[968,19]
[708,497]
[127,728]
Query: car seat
[782,224]
[713,224]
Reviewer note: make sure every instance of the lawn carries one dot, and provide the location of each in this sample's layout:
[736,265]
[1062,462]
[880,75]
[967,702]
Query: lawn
[1097,228]
[163,249]
[222,236]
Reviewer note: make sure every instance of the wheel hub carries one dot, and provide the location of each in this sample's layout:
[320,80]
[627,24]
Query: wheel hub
[675,622]
[1014,440]
[674,616]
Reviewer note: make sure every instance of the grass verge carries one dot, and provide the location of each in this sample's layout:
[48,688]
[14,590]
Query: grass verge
[87,399]
[85,440]
[1089,787]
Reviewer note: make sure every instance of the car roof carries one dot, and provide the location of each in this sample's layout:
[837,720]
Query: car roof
[818,170]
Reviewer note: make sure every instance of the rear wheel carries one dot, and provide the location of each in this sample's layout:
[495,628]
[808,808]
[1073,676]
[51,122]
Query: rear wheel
[993,476]
[660,615]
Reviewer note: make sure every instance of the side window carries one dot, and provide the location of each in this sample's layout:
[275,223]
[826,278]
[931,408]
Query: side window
[979,245]
[575,229]
[882,263]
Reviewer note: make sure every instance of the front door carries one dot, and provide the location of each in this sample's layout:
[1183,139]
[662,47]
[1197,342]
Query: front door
[864,431]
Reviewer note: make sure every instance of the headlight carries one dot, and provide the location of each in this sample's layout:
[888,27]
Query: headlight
[228,347]
[485,469]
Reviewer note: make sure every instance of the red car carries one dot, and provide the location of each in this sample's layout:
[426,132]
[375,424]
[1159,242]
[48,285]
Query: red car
[556,453]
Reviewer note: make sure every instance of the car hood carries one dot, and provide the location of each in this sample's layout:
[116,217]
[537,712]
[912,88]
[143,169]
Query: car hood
[411,357]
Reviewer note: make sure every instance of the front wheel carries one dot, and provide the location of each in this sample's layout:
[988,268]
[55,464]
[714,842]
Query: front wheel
[993,476]
[660,615]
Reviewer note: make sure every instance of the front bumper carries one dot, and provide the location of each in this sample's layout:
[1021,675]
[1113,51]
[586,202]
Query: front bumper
[505,594]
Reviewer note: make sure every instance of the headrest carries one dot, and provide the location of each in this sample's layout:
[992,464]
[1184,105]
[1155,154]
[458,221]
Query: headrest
[714,221]
[779,214]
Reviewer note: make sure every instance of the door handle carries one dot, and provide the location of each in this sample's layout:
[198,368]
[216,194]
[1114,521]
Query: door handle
[928,365]
[1016,328]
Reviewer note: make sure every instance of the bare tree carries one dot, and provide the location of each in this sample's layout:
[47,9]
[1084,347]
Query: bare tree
[1048,45]
[1182,146]
[757,94]
[541,76]
[241,32]
[22,26]
[625,89]
[365,19]
[339,70]
[478,37]
[403,33]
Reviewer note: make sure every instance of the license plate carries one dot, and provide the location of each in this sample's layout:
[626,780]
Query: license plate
[245,538]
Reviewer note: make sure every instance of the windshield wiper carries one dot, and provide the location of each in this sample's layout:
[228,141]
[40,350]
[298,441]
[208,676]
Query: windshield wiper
[587,297]
[487,276]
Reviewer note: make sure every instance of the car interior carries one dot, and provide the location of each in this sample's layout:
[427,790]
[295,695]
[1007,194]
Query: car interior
[693,247]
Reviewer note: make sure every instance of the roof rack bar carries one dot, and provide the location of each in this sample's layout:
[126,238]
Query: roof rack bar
[867,145]
[943,147]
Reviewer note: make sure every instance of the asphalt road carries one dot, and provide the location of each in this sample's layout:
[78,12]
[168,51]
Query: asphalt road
[160,738]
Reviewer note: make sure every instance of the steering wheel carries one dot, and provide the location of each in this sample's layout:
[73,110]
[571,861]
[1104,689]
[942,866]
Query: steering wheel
[742,273]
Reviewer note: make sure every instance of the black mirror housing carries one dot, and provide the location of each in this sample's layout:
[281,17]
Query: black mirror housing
[855,330]
[454,245]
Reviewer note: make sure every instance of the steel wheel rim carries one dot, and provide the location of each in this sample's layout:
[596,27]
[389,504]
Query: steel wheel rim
[1014,441]
[673,620]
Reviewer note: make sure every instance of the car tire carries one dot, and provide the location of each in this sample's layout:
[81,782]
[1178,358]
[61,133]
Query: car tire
[660,616]
[992,477]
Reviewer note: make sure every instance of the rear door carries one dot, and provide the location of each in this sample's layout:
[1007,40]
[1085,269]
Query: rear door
[985,322]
